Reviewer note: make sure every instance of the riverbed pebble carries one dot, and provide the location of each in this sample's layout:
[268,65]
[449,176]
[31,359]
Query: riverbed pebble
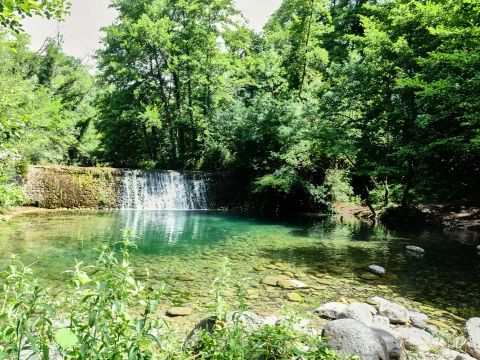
[415,249]
[294,297]
[376,269]
[272,280]
[179,311]
[290,284]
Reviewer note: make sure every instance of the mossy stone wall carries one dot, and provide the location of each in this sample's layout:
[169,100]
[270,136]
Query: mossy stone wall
[72,187]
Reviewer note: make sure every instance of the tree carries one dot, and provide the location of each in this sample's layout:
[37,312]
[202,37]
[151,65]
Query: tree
[12,12]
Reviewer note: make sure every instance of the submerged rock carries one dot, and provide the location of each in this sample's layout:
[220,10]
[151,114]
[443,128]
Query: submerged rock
[415,249]
[289,284]
[331,310]
[294,297]
[272,280]
[472,331]
[368,276]
[377,269]
[351,337]
[179,311]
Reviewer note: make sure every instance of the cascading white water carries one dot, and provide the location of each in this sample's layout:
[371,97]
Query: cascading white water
[163,190]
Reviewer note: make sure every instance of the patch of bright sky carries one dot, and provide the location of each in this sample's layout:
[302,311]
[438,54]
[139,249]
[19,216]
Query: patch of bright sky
[81,30]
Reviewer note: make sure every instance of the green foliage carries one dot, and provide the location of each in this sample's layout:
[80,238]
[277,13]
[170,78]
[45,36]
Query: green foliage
[385,91]
[12,12]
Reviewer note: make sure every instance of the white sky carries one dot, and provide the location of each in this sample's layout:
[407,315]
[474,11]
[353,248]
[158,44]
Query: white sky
[81,29]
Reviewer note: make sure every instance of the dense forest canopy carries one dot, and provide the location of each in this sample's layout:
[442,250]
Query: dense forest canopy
[334,100]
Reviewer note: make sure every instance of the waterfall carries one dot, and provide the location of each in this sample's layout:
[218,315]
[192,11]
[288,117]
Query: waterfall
[163,190]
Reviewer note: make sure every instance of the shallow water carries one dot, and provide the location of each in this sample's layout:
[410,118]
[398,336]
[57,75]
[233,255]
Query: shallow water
[187,249]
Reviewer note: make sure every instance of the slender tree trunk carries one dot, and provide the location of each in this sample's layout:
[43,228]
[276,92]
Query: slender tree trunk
[368,202]
[408,184]
[386,194]
[307,42]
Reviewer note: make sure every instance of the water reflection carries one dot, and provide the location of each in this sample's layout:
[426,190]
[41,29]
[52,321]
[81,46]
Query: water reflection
[170,242]
[180,229]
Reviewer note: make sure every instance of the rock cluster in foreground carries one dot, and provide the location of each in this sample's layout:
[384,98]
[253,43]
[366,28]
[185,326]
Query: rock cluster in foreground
[381,330]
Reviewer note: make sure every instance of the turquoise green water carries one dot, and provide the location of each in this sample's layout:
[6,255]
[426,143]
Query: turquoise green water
[186,249]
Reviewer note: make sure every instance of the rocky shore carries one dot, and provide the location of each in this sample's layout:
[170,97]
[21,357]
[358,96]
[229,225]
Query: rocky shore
[377,330]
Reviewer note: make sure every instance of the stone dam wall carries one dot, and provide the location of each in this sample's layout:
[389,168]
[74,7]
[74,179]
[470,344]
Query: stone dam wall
[55,187]
[72,187]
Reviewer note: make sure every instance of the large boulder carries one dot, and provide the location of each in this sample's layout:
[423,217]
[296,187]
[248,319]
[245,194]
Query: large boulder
[397,314]
[331,310]
[395,347]
[351,337]
[472,331]
[361,312]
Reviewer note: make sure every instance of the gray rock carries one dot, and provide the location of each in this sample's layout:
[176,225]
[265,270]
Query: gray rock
[331,310]
[351,337]
[299,326]
[361,312]
[395,347]
[381,322]
[415,249]
[472,331]
[376,269]
[478,248]
[418,319]
[397,314]
[249,320]
[416,339]
[448,354]
[379,300]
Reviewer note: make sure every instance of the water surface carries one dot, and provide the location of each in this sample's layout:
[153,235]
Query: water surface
[187,249]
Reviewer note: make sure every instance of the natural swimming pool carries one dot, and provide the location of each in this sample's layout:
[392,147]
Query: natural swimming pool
[186,250]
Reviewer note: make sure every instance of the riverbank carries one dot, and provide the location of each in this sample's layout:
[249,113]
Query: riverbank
[459,215]
[10,213]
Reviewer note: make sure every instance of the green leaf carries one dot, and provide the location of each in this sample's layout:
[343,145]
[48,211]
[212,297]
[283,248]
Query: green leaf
[66,338]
